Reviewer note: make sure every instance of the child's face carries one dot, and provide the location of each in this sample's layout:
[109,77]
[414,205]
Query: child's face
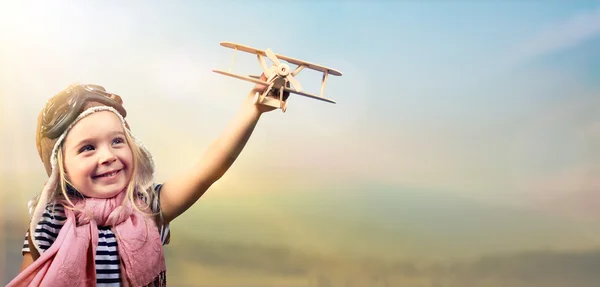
[97,158]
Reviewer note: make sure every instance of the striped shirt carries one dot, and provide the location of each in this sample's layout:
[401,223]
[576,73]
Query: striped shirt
[108,272]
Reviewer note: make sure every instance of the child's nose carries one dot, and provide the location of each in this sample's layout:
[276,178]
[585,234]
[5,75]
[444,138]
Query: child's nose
[107,156]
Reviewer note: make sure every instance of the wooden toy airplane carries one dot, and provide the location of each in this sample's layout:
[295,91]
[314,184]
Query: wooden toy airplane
[279,76]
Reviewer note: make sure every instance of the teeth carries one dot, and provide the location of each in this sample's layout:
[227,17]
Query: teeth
[109,174]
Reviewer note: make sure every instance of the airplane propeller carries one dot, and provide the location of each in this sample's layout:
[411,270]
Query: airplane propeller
[272,57]
[278,69]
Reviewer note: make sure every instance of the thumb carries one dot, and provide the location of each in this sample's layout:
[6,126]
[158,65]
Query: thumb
[260,87]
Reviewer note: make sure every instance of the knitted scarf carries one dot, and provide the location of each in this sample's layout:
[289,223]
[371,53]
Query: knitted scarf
[70,260]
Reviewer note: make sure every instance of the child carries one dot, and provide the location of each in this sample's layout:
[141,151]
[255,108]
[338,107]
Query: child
[100,219]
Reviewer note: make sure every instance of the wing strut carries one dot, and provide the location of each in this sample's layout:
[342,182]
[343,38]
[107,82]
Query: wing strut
[325,74]
[232,59]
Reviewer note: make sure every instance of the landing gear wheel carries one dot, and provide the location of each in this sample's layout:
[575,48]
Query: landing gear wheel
[284,107]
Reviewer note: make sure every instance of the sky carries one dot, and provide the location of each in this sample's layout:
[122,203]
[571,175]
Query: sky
[445,111]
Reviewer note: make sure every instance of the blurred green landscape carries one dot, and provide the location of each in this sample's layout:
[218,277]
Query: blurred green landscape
[344,239]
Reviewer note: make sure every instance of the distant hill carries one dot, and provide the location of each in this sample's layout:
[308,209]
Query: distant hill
[383,222]
[265,265]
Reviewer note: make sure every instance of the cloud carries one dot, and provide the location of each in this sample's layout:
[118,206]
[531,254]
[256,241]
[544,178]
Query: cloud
[569,185]
[562,35]
[572,191]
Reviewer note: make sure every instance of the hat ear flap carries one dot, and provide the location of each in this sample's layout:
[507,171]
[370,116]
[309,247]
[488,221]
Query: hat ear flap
[40,206]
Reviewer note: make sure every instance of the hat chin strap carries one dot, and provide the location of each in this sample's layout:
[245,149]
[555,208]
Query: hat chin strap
[144,181]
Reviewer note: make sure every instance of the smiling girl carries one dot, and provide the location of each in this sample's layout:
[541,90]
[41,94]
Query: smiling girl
[100,219]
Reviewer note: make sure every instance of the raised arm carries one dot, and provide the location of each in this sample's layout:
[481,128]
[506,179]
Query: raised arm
[182,191]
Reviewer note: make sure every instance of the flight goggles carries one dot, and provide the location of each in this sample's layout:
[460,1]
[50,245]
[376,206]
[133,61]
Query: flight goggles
[61,111]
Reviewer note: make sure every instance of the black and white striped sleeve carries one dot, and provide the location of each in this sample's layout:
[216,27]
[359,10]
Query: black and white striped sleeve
[163,227]
[47,230]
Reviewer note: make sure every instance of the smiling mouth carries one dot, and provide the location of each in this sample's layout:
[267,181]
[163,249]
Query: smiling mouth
[108,174]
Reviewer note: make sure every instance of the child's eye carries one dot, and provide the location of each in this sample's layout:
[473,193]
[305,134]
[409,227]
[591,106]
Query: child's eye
[118,140]
[86,148]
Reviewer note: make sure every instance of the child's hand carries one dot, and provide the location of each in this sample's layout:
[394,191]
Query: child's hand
[260,89]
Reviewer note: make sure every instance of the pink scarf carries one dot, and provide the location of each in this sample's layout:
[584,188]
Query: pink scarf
[70,261]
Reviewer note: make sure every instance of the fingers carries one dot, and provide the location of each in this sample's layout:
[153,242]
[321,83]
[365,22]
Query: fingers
[260,87]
